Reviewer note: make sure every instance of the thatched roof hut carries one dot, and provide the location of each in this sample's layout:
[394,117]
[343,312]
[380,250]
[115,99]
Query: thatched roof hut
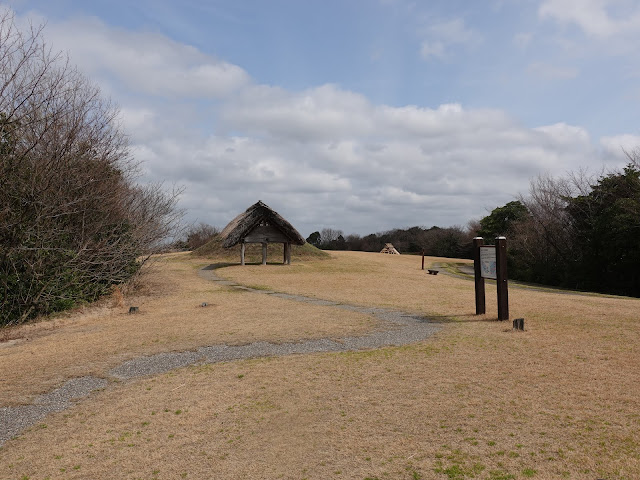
[389,248]
[261,224]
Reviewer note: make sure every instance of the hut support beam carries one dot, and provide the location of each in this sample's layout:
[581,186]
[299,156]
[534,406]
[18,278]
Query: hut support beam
[287,253]
[242,253]
[264,253]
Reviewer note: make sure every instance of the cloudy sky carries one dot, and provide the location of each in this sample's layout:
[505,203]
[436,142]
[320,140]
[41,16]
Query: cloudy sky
[361,115]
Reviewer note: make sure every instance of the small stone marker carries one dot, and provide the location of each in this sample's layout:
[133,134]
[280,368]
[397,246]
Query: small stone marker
[203,304]
[133,310]
[518,324]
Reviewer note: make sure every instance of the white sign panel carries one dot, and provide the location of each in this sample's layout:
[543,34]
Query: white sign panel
[488,262]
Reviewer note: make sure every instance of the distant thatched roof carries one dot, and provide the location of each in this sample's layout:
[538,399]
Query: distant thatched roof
[244,223]
[389,248]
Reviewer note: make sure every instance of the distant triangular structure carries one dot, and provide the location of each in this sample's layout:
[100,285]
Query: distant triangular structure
[389,248]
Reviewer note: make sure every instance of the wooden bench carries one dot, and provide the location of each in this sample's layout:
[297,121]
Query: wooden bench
[432,272]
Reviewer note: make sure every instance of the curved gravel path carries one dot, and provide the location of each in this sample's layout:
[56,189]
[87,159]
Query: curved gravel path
[398,328]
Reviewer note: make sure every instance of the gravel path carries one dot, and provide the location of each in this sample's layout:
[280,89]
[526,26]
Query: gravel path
[15,419]
[399,328]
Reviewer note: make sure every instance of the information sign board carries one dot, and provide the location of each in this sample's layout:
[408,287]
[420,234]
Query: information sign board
[488,262]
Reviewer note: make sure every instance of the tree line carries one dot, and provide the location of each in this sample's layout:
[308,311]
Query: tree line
[579,231]
[454,242]
[73,220]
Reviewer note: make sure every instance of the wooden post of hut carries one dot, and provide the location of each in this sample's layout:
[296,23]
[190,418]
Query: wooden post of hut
[261,224]
[287,253]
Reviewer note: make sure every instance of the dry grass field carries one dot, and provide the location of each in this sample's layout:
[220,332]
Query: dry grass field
[477,400]
[95,339]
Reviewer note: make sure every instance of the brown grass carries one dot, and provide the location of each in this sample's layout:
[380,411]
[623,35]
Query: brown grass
[398,282]
[560,400]
[95,339]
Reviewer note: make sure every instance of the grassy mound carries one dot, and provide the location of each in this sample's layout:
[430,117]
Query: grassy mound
[253,252]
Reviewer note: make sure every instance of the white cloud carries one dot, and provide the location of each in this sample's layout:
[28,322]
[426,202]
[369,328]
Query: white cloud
[325,112]
[145,62]
[451,32]
[336,159]
[598,18]
[617,145]
[139,122]
[567,135]
[329,150]
[441,37]
[432,49]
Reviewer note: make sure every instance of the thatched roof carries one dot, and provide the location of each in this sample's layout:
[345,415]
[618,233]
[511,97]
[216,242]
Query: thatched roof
[244,223]
[389,248]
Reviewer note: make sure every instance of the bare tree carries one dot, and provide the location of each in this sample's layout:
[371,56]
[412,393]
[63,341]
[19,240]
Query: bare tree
[331,239]
[198,235]
[72,219]
[329,235]
[544,239]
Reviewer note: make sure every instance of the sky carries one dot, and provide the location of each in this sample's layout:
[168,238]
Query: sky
[358,115]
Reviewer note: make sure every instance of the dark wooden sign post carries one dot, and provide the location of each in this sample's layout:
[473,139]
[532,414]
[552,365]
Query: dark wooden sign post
[490,261]
[481,307]
[501,269]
